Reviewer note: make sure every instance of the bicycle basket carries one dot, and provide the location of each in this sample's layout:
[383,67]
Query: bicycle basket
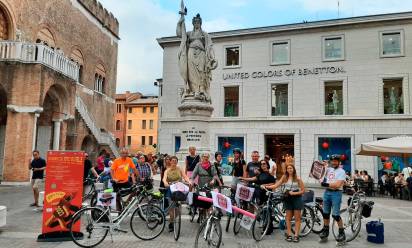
[179,196]
[201,204]
[308,196]
[99,186]
[367,207]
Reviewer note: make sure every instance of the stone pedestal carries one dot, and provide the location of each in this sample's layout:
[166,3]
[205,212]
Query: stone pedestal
[196,115]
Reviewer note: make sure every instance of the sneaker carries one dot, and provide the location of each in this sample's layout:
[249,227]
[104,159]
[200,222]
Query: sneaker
[325,233]
[171,227]
[341,237]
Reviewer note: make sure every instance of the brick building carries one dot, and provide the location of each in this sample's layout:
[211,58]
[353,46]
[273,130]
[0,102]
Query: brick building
[58,66]
[136,122]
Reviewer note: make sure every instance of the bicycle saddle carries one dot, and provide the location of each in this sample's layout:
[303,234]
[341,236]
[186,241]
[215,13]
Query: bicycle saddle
[105,200]
[319,199]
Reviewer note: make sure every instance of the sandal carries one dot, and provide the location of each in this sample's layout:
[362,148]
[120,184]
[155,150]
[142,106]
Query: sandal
[296,239]
[289,238]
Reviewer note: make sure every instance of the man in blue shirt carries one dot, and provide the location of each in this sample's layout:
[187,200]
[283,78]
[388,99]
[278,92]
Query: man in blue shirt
[332,198]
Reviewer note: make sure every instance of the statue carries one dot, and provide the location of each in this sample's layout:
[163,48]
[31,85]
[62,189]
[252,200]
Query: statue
[196,58]
[393,101]
[335,102]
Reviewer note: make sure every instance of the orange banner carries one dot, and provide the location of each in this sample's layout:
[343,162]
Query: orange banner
[63,190]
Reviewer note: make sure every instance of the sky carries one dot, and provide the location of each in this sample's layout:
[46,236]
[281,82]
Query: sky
[142,21]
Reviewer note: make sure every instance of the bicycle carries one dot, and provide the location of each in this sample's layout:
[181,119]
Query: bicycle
[317,208]
[245,205]
[99,220]
[210,231]
[351,217]
[274,211]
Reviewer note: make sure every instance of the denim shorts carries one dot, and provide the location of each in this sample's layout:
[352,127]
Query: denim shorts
[332,201]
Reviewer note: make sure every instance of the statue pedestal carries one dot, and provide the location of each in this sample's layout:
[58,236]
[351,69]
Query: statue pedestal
[196,115]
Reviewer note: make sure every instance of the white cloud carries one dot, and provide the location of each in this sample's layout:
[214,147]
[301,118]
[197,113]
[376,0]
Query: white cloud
[357,7]
[218,25]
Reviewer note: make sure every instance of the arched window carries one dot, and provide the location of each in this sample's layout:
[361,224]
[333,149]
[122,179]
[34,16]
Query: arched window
[46,37]
[118,125]
[100,79]
[77,56]
[4,25]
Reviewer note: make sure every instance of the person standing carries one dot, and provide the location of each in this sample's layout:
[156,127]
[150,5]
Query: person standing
[100,162]
[332,198]
[250,169]
[218,165]
[88,167]
[239,166]
[407,171]
[191,161]
[144,169]
[272,165]
[37,165]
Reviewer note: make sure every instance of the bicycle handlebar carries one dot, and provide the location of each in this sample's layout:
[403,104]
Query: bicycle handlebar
[236,209]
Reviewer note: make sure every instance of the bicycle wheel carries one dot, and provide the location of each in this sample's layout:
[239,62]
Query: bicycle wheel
[307,221]
[209,234]
[352,224]
[261,224]
[236,223]
[318,221]
[147,222]
[94,224]
[93,199]
[177,222]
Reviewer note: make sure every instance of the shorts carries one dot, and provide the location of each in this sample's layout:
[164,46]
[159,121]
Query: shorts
[37,183]
[332,201]
[293,203]
[118,186]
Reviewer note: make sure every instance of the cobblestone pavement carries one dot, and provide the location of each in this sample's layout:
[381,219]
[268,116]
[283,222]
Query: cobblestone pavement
[24,224]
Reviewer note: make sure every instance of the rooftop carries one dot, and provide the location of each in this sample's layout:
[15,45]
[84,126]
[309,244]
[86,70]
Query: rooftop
[300,26]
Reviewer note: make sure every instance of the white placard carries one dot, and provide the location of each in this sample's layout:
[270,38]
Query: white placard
[244,193]
[246,222]
[111,203]
[179,187]
[221,201]
[318,170]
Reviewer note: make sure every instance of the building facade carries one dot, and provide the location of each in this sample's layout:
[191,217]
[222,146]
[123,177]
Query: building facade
[58,66]
[136,122]
[303,91]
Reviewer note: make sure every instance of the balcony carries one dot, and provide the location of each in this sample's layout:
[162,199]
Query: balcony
[33,53]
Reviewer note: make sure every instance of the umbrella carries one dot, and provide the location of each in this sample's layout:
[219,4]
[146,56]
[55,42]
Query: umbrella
[400,146]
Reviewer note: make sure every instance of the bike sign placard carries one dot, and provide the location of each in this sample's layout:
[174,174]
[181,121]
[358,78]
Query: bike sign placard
[244,193]
[179,187]
[221,201]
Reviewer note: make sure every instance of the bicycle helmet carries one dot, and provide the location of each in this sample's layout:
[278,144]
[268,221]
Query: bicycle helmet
[335,157]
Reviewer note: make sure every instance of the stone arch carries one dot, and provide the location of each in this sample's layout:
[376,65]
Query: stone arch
[100,78]
[6,22]
[60,94]
[46,36]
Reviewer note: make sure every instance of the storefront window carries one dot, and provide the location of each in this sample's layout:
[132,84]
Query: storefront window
[328,146]
[392,96]
[226,146]
[280,53]
[177,143]
[232,56]
[231,101]
[280,100]
[333,98]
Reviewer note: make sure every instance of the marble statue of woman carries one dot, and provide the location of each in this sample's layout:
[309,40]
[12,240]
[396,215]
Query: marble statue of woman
[335,102]
[196,57]
[393,101]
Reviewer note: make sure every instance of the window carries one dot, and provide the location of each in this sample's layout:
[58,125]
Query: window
[280,52]
[144,110]
[118,125]
[119,108]
[151,109]
[393,96]
[129,140]
[226,146]
[232,56]
[130,110]
[392,44]
[117,142]
[231,107]
[150,140]
[129,124]
[143,140]
[333,98]
[100,79]
[143,124]
[336,145]
[333,48]
[177,143]
[151,124]
[280,100]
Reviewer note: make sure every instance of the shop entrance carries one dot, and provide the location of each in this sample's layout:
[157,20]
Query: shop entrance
[281,148]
